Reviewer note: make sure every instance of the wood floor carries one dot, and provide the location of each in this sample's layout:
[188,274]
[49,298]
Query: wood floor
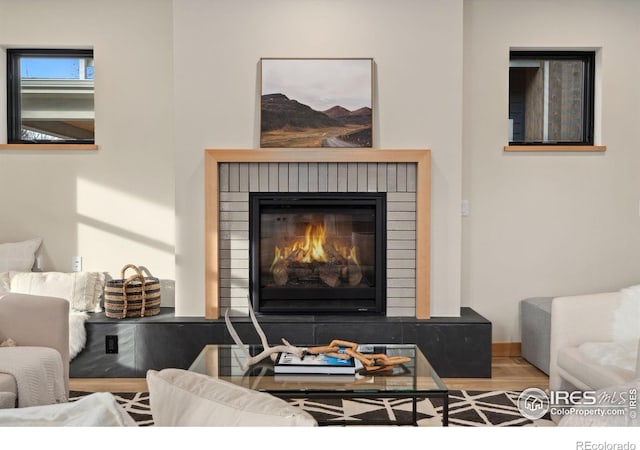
[508,373]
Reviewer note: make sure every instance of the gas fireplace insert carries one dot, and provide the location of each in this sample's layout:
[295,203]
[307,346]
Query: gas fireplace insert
[317,253]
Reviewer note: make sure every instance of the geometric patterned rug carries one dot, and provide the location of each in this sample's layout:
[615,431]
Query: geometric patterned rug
[466,409]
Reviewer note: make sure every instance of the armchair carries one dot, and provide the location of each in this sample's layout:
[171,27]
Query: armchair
[584,327]
[594,347]
[37,324]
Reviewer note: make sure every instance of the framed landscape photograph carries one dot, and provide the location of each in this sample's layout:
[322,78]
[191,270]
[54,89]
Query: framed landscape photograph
[316,102]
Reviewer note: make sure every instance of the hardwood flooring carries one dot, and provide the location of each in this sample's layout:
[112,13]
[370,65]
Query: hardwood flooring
[508,373]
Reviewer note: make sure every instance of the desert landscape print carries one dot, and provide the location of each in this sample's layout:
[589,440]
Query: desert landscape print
[316,103]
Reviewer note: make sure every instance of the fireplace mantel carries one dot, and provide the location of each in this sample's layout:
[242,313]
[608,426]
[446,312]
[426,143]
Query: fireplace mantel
[214,157]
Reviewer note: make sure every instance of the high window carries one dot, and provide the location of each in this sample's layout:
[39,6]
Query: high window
[551,97]
[50,96]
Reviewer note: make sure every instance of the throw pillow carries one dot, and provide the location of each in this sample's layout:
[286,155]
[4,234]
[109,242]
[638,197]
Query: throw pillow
[19,256]
[100,409]
[182,398]
[627,315]
[83,290]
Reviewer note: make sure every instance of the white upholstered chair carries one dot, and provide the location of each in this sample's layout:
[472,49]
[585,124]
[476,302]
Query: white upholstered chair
[594,341]
[40,328]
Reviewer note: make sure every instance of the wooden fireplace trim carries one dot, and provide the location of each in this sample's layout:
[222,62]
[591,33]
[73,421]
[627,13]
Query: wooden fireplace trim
[422,158]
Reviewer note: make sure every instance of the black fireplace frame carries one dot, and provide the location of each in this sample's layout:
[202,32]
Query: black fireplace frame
[350,301]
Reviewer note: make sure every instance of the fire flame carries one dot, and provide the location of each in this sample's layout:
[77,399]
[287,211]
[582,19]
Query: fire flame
[311,248]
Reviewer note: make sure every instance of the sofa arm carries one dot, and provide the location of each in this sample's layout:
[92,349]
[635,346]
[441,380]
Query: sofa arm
[37,321]
[578,319]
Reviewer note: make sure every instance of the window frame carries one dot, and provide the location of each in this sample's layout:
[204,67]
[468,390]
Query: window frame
[588,57]
[14,110]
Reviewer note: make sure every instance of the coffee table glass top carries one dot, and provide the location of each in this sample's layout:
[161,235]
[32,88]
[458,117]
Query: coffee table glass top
[417,376]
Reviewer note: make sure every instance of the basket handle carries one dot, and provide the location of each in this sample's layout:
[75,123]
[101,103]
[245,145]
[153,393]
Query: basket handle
[134,267]
[125,284]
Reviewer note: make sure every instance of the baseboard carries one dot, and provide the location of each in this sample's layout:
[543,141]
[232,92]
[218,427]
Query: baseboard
[506,349]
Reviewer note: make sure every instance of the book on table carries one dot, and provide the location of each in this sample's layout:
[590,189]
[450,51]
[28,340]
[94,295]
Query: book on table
[313,364]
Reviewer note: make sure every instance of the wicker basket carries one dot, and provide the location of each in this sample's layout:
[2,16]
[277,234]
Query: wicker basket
[135,296]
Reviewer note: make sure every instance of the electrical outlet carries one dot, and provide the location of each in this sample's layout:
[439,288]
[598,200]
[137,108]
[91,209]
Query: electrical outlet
[111,344]
[76,263]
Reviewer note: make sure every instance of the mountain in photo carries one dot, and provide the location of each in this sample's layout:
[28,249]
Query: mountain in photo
[361,116]
[280,112]
[337,112]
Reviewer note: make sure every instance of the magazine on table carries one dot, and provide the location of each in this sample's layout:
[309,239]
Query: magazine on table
[307,378]
[314,364]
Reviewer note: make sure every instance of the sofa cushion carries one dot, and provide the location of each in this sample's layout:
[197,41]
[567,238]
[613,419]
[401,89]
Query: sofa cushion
[592,374]
[181,398]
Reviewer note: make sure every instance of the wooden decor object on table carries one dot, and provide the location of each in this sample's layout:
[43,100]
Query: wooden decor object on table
[371,362]
[337,348]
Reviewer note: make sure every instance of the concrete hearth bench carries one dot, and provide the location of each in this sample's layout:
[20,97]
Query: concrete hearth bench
[535,327]
[457,347]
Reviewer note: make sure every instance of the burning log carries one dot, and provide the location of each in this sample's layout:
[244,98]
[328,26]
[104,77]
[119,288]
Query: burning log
[330,274]
[310,260]
[280,272]
[355,273]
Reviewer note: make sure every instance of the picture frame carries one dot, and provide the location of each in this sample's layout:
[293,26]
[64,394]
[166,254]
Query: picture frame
[316,102]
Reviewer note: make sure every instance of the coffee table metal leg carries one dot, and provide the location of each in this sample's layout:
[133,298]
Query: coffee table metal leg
[415,411]
[445,410]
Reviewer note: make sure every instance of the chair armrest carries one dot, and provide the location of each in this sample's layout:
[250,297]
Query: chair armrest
[578,319]
[38,321]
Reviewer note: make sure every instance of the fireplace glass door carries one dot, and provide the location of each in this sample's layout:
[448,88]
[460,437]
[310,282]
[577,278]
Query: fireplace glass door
[317,253]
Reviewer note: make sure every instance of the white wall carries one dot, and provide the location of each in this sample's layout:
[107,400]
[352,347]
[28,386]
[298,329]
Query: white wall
[548,224]
[115,205]
[540,224]
[417,49]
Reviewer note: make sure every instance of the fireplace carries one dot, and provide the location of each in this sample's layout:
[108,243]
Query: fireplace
[317,253]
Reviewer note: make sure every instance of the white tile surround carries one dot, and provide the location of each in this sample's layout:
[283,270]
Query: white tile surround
[398,180]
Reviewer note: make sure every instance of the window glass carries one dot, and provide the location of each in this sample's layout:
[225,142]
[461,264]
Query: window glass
[550,98]
[51,96]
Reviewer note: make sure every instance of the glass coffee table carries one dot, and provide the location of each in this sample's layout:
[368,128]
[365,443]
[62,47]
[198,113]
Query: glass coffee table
[413,380]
